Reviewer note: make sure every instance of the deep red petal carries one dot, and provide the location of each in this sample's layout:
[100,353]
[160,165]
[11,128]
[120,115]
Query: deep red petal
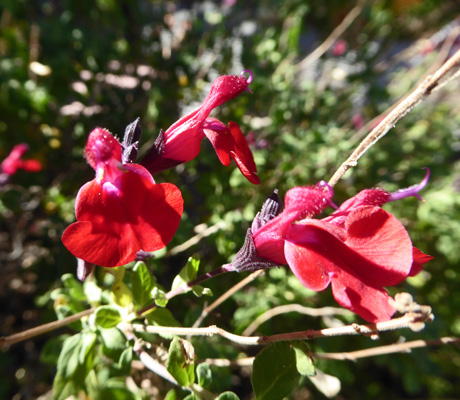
[105,238]
[367,197]
[220,138]
[376,247]
[378,237]
[153,211]
[242,154]
[310,268]
[372,304]
[419,258]
[299,203]
[317,255]
[116,220]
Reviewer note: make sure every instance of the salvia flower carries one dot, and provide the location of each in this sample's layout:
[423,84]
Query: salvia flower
[358,250]
[14,161]
[181,142]
[121,211]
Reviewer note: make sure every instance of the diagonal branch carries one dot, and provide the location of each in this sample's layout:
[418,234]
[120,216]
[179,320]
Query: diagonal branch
[30,333]
[430,84]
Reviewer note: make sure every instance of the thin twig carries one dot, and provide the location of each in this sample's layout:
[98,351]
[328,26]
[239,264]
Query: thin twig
[392,348]
[226,295]
[195,239]
[351,356]
[407,321]
[313,312]
[418,94]
[30,333]
[335,34]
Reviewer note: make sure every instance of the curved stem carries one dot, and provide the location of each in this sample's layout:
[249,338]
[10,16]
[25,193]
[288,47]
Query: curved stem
[410,320]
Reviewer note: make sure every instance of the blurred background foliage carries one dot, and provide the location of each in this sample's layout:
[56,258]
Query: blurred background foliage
[67,67]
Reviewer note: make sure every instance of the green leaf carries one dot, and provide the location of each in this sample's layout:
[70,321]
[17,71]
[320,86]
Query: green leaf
[115,390]
[74,362]
[180,362]
[304,361]
[188,273]
[124,363]
[51,350]
[121,295]
[92,291]
[199,291]
[204,374]
[228,396]
[171,395]
[86,344]
[107,317]
[192,396]
[69,358]
[162,317]
[113,342]
[63,387]
[141,284]
[75,287]
[118,273]
[160,297]
[277,369]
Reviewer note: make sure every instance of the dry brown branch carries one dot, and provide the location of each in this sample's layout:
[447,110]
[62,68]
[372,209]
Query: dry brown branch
[412,320]
[430,84]
[313,312]
[30,333]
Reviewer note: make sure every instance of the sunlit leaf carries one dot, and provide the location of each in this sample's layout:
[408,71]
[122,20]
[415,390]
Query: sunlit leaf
[107,317]
[180,365]
[277,369]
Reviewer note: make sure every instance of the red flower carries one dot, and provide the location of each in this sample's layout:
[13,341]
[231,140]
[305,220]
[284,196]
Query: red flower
[359,249]
[121,211]
[14,161]
[181,141]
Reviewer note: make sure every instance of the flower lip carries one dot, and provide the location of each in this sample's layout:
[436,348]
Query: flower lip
[411,190]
